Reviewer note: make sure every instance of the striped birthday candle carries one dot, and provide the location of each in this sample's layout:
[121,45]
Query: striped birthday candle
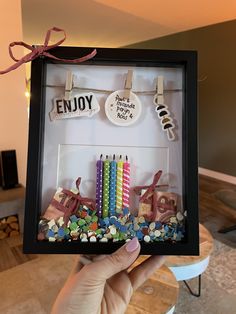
[126,183]
[105,195]
[112,192]
[119,184]
[99,184]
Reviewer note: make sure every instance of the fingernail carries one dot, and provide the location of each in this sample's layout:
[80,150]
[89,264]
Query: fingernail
[132,245]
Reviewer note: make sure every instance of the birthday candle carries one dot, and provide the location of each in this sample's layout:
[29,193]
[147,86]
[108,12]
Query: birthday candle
[119,184]
[99,184]
[126,183]
[106,179]
[112,204]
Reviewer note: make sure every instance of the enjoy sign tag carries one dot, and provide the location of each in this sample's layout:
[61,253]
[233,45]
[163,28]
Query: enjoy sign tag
[78,105]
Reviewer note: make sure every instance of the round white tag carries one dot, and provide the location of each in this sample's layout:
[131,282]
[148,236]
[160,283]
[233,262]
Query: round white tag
[123,111]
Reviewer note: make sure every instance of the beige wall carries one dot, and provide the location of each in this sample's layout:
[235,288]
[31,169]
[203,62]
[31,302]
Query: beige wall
[13,104]
[216,46]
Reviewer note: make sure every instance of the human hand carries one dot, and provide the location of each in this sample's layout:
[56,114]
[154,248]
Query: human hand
[102,284]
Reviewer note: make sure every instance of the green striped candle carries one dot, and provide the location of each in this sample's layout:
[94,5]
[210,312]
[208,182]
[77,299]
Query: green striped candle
[112,204]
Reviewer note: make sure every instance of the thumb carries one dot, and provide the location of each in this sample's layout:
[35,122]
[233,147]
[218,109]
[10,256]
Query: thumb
[118,261]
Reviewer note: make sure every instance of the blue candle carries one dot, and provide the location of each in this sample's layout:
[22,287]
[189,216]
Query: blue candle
[119,184]
[112,203]
[106,186]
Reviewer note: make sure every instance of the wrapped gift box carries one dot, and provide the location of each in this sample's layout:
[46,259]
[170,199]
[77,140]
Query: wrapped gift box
[162,209]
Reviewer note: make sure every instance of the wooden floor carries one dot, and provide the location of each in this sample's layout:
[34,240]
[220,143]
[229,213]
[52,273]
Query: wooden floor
[208,203]
[11,253]
[212,213]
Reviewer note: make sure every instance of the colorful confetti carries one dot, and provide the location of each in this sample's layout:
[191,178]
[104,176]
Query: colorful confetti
[85,226]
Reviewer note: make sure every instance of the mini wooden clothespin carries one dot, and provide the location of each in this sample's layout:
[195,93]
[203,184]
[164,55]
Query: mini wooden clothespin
[69,85]
[160,90]
[128,84]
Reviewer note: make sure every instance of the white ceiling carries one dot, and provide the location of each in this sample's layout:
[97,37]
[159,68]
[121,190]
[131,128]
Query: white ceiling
[115,23]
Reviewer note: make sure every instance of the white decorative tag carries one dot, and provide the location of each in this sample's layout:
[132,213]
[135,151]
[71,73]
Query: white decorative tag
[122,111]
[167,123]
[84,104]
[162,111]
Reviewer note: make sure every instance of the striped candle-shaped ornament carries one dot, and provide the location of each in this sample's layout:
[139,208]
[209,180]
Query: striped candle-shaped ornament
[119,184]
[105,195]
[126,183]
[99,185]
[112,192]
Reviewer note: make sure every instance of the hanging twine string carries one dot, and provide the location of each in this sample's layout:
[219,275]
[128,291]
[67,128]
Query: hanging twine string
[109,91]
[42,51]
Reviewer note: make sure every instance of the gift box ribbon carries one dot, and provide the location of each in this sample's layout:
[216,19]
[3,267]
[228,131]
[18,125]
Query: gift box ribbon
[42,50]
[74,201]
[150,197]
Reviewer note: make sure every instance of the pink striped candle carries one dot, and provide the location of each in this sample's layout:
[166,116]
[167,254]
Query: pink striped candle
[126,183]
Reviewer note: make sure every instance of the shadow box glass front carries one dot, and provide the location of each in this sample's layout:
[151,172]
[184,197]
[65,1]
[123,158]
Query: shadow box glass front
[113,152]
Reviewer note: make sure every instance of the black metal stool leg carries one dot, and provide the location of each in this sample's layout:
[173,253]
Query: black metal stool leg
[199,287]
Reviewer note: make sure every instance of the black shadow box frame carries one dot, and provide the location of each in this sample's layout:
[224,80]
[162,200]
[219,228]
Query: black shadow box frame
[187,60]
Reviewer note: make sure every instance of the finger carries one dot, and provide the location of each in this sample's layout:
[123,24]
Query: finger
[98,258]
[116,262]
[77,266]
[87,259]
[143,271]
[83,260]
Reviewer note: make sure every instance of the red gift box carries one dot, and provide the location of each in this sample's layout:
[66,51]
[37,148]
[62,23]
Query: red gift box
[156,205]
[65,202]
